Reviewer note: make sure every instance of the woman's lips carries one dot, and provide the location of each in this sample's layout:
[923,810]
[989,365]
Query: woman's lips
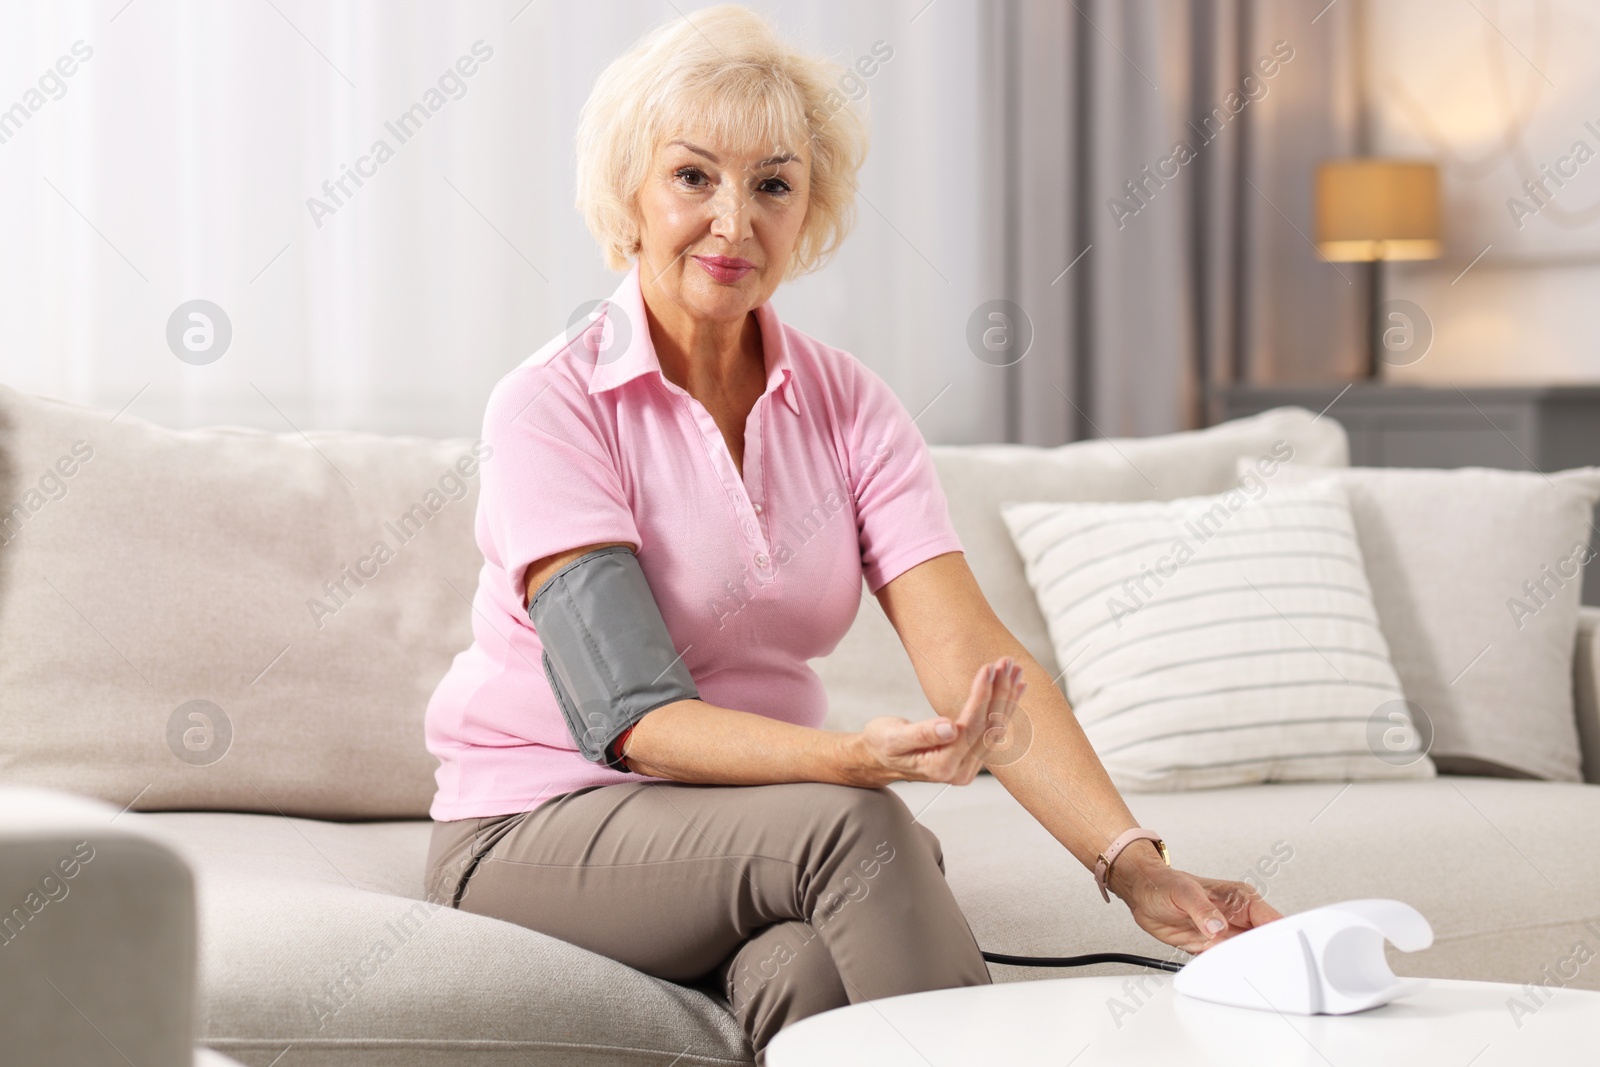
[724,268]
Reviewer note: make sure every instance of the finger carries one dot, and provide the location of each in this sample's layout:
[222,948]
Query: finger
[1209,920]
[988,685]
[932,733]
[1261,912]
[1003,706]
[1232,897]
[1241,903]
[977,695]
[999,730]
[935,732]
[971,755]
[991,716]
[980,716]
[1002,696]
[1008,674]
[999,722]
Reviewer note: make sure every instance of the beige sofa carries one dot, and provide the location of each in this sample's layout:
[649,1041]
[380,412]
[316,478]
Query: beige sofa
[201,627]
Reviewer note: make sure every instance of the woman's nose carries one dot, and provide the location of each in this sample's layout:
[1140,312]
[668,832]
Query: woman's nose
[730,218]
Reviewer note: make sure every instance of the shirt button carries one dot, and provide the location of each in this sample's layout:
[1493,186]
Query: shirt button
[758,509]
[761,559]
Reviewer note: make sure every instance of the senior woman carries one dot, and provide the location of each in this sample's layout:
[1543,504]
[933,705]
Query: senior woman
[703,487]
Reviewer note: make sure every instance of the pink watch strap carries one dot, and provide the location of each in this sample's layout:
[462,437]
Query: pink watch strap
[1102,863]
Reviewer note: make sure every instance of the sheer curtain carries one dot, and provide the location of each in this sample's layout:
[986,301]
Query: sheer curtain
[1022,151]
[204,151]
[1158,213]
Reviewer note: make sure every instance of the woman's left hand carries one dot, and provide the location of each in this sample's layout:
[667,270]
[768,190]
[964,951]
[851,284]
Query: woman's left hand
[1176,906]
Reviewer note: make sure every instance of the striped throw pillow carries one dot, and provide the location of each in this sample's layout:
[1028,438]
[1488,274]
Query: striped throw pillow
[1222,640]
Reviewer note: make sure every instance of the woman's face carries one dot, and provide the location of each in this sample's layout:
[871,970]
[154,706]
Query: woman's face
[717,224]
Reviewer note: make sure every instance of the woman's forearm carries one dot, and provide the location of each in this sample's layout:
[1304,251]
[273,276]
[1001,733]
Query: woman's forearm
[693,741]
[1059,777]
[1063,783]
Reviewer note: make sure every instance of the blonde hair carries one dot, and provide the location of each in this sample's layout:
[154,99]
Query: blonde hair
[726,72]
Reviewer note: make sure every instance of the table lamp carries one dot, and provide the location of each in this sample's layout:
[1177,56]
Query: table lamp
[1371,210]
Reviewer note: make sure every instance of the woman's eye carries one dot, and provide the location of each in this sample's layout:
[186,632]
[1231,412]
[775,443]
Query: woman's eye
[695,178]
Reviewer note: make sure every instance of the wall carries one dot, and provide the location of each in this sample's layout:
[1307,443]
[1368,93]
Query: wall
[1497,92]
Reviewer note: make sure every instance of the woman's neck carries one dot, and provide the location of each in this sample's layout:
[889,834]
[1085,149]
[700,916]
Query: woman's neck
[705,357]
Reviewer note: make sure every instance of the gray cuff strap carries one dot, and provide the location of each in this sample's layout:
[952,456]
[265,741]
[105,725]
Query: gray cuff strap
[607,653]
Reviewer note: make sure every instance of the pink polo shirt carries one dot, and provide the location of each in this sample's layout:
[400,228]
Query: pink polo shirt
[754,576]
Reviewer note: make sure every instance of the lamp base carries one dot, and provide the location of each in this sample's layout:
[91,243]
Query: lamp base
[1374,320]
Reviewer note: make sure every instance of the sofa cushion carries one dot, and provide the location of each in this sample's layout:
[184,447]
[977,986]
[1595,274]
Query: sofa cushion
[1220,640]
[869,674]
[225,618]
[1586,690]
[1498,867]
[314,937]
[1477,574]
[289,908]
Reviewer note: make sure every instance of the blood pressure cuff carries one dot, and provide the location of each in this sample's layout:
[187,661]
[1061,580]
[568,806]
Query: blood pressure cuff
[607,654]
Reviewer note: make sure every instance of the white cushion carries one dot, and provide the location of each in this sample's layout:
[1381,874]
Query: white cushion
[869,673]
[1586,690]
[144,568]
[1220,640]
[1502,908]
[1454,558]
[314,935]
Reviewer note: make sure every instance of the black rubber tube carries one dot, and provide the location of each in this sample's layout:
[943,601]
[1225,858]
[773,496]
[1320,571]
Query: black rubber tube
[1082,961]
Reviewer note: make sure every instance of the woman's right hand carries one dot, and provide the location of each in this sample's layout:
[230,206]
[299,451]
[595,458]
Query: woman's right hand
[940,749]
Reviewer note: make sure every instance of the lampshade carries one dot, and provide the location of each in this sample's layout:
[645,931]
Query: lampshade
[1377,209]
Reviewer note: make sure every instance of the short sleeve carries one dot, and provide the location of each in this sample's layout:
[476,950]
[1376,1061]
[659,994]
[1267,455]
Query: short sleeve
[902,516]
[551,482]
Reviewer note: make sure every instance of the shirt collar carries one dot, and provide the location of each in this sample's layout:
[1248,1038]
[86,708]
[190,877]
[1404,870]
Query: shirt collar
[631,329]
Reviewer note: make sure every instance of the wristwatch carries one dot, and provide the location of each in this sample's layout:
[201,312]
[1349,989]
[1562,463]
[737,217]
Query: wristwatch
[1103,862]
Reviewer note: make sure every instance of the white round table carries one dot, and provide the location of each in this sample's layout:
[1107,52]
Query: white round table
[1140,1019]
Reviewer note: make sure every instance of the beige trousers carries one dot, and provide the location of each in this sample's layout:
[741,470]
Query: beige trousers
[792,898]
